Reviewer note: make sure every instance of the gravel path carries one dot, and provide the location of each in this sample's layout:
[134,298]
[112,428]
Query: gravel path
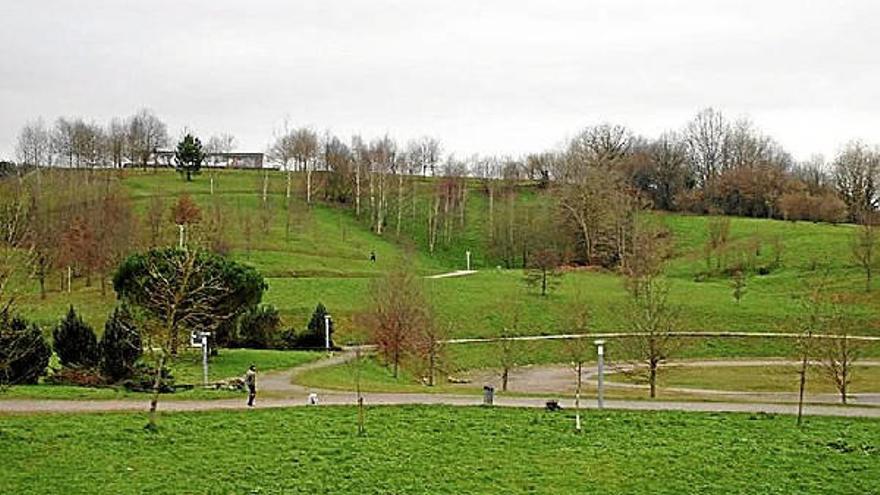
[284,393]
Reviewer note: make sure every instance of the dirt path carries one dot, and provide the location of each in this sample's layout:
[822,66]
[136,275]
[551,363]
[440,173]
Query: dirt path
[279,383]
[548,379]
[457,273]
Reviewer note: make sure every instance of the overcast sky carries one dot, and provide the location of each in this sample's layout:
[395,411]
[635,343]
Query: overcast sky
[493,77]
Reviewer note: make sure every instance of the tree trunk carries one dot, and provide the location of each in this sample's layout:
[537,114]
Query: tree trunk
[399,201]
[652,379]
[308,183]
[357,188]
[505,376]
[154,400]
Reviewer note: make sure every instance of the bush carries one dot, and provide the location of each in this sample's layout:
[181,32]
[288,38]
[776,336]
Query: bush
[80,377]
[75,342]
[258,328]
[121,345]
[288,339]
[24,353]
[142,378]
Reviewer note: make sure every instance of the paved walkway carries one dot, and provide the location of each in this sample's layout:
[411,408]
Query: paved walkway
[280,383]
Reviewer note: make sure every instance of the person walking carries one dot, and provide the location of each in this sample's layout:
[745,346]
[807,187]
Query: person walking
[250,379]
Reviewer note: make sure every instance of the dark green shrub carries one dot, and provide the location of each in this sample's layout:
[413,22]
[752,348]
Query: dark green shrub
[75,342]
[287,339]
[121,345]
[258,328]
[24,353]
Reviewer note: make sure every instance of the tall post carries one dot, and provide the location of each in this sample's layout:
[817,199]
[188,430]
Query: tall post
[468,255]
[600,394]
[327,332]
[205,358]
[69,277]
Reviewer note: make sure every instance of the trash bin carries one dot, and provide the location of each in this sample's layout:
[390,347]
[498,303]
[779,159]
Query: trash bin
[488,395]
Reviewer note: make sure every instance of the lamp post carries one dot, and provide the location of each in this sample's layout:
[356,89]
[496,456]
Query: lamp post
[327,332]
[468,255]
[204,336]
[600,351]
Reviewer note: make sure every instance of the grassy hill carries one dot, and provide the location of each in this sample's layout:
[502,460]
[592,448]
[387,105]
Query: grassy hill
[322,254]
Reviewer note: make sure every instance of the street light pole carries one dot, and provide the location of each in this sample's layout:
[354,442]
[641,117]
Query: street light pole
[600,350]
[204,336]
[468,255]
[327,332]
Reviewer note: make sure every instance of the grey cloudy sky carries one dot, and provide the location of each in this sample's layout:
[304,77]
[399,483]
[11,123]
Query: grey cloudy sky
[483,76]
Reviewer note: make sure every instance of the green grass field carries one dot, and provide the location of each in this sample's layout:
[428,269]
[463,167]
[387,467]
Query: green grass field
[324,257]
[437,450]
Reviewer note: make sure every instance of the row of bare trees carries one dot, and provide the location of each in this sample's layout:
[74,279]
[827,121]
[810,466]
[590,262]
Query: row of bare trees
[75,142]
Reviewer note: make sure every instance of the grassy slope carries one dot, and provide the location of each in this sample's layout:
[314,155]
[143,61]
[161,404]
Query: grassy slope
[437,450]
[325,259]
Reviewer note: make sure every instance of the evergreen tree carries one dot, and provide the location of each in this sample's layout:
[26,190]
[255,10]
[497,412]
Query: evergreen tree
[75,342]
[313,337]
[121,345]
[189,156]
[24,353]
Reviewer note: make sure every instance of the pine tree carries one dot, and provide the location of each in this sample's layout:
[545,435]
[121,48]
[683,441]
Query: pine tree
[75,342]
[121,345]
[189,156]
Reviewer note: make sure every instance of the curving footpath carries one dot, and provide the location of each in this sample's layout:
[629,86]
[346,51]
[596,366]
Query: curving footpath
[293,395]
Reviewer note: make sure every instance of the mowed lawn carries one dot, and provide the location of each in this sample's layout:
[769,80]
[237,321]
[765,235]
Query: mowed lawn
[438,450]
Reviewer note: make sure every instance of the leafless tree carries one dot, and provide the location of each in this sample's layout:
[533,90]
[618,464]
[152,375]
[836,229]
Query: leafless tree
[653,319]
[34,144]
[578,351]
[398,311]
[706,137]
[864,244]
[15,251]
[115,142]
[856,174]
[146,133]
[839,355]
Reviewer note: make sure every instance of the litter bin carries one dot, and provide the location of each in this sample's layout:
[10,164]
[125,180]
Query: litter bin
[488,395]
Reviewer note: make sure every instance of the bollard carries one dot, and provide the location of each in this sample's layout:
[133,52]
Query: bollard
[488,395]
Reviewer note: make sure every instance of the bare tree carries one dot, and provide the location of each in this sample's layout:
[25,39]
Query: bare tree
[653,319]
[864,244]
[839,355]
[543,271]
[706,137]
[578,351]
[146,133]
[856,174]
[429,349]
[15,251]
[34,144]
[398,310]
